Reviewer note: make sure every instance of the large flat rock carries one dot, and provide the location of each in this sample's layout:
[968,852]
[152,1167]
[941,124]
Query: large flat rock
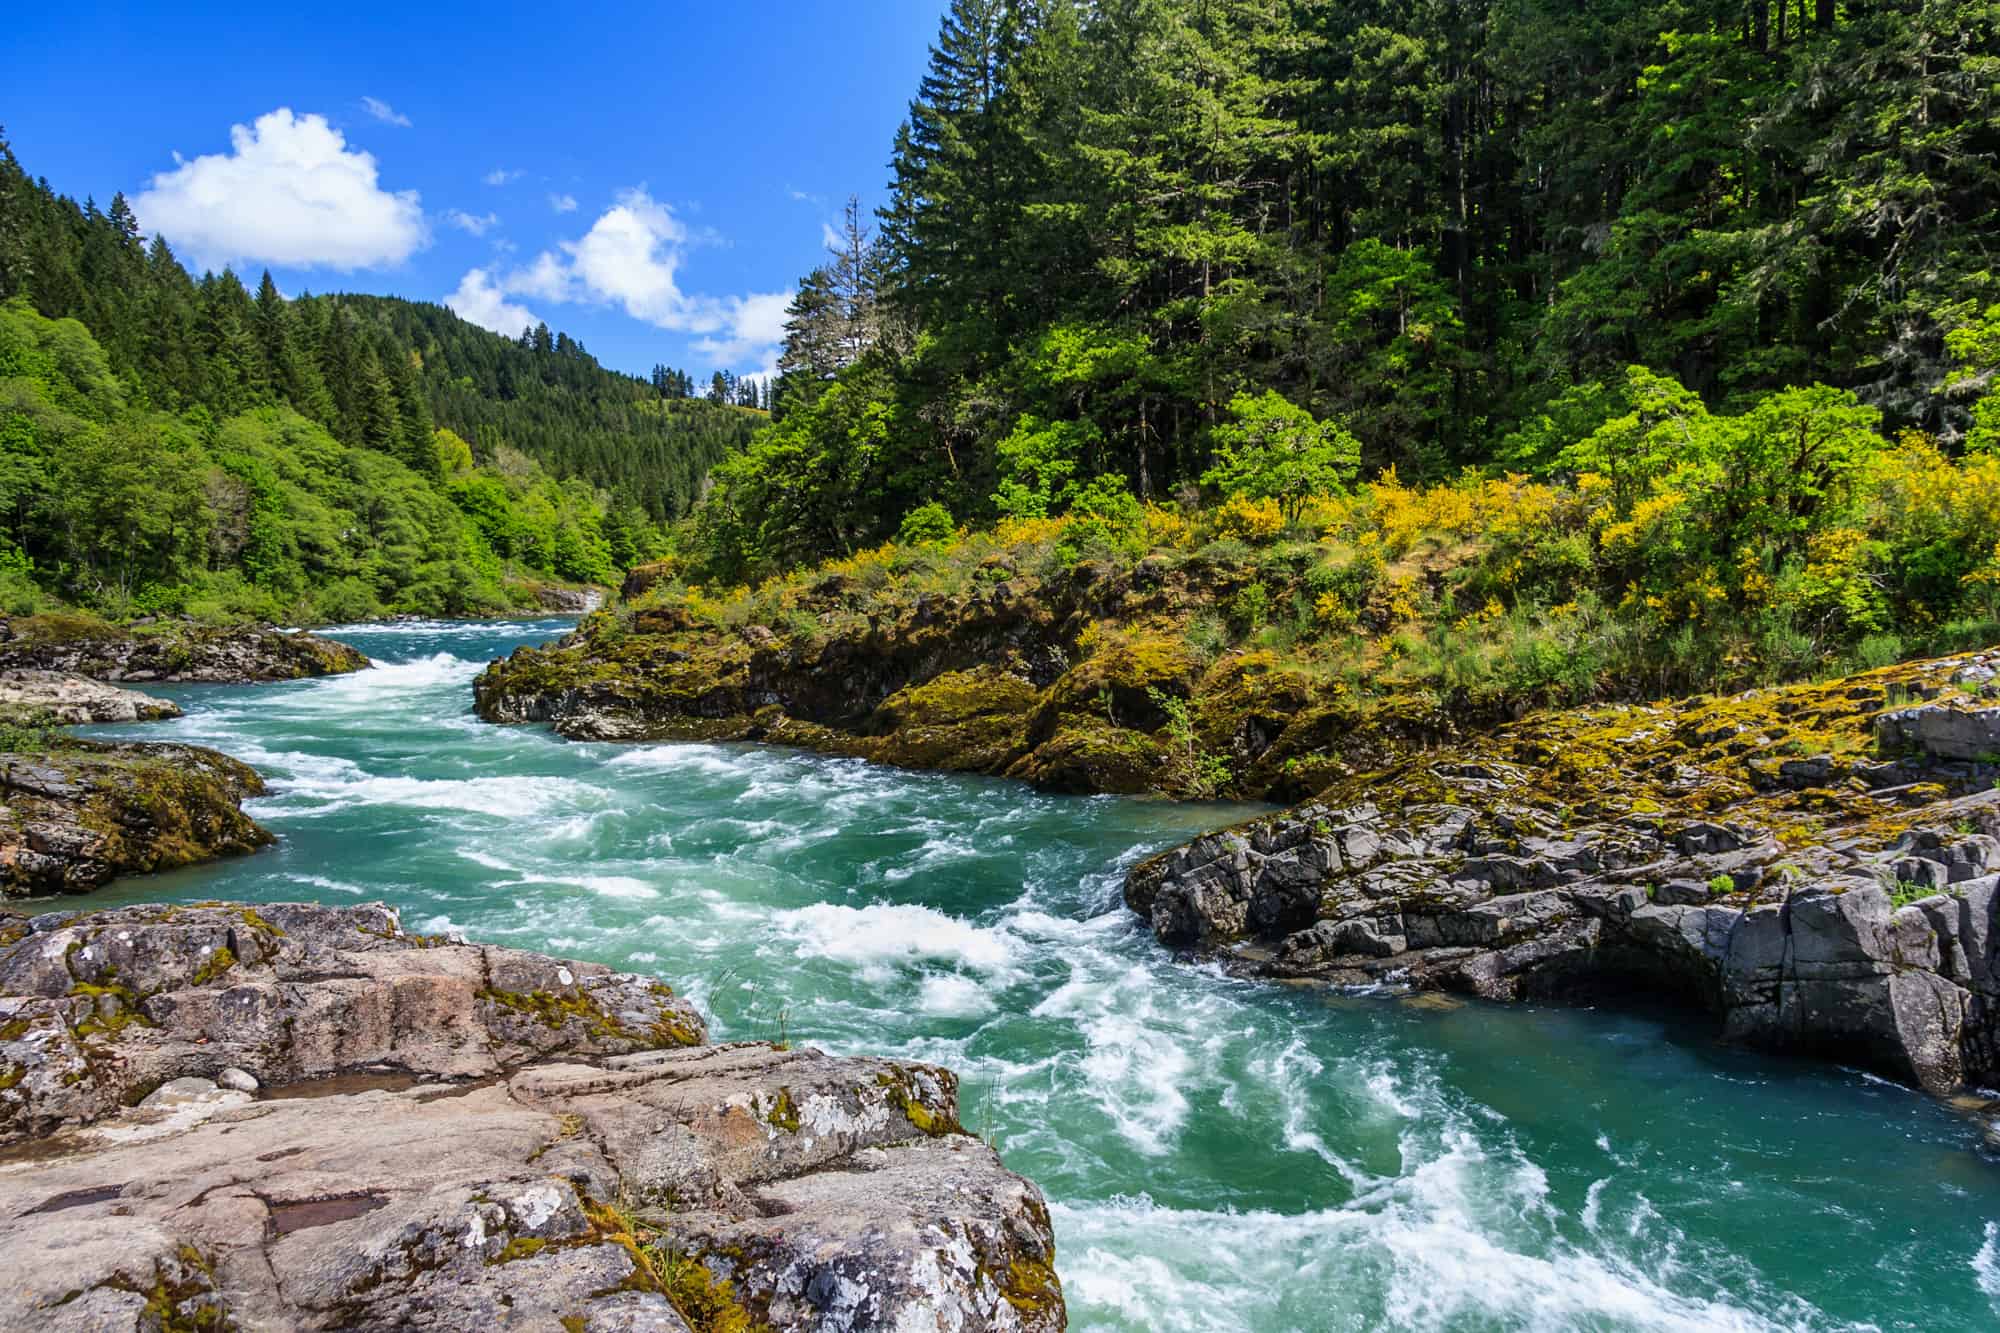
[73,700]
[337,1124]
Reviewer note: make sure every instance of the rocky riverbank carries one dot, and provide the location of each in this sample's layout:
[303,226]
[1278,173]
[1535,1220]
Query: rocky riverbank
[1079,679]
[1816,867]
[302,1117]
[69,701]
[74,814]
[169,651]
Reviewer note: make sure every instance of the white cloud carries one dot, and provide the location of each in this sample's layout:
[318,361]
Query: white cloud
[481,301]
[563,203]
[502,176]
[290,191]
[385,113]
[756,328]
[630,257]
[830,238]
[478,225]
[548,277]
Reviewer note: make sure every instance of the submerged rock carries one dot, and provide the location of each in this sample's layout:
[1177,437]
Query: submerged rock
[74,813]
[73,700]
[1824,903]
[215,654]
[456,1136]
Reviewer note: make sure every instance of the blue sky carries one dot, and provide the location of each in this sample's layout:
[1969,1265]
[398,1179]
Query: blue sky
[653,179]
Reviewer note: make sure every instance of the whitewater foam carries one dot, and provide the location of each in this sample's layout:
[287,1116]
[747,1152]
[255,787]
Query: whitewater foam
[878,938]
[1986,1265]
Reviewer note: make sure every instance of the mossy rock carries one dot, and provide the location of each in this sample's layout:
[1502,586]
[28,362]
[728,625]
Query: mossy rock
[1092,755]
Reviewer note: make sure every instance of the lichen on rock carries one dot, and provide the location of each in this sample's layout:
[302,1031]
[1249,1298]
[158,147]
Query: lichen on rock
[75,813]
[83,645]
[494,1138]
[1758,857]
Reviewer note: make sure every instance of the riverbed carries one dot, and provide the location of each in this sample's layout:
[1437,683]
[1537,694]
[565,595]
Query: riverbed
[1218,1154]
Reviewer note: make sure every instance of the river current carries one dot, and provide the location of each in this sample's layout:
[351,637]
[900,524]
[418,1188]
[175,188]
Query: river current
[1217,1154]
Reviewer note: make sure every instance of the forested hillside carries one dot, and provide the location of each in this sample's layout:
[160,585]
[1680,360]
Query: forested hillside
[371,369]
[647,443]
[1447,231]
[177,444]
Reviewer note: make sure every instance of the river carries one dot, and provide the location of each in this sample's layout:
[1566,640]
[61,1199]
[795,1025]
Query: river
[1217,1154]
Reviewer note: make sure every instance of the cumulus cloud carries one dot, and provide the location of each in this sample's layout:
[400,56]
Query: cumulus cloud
[290,191]
[631,257]
[477,224]
[502,176]
[756,328]
[563,203]
[480,300]
[385,113]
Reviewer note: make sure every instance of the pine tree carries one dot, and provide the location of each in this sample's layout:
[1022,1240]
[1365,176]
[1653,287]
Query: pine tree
[954,199]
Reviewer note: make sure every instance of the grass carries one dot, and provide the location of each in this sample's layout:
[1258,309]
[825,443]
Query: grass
[1907,892]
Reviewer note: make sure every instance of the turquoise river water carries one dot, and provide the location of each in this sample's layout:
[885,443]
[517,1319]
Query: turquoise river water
[1217,1154]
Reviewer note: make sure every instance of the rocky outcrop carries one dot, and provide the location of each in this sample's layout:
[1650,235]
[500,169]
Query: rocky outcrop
[568,601]
[170,651]
[1946,731]
[338,1124]
[1063,677]
[74,814]
[72,700]
[1749,857]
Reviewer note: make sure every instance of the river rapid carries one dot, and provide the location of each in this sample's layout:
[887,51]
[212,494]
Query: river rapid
[1217,1154]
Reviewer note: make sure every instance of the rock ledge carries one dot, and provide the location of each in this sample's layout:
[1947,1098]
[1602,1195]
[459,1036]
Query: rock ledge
[210,654]
[1816,867]
[338,1124]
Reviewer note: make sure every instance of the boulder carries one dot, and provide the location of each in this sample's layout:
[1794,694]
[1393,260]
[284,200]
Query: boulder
[1944,730]
[77,813]
[73,700]
[220,654]
[1785,945]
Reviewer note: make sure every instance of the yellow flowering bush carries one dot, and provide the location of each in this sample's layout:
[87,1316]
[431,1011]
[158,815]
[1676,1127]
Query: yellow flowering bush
[1244,519]
[1167,527]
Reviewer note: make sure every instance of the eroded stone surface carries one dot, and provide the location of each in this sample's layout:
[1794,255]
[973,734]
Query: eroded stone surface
[76,813]
[73,700]
[1839,903]
[584,1164]
[227,654]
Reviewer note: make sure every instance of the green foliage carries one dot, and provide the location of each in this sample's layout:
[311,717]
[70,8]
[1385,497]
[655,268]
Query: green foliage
[1135,239]
[1908,891]
[1037,461]
[129,481]
[262,513]
[1273,450]
[1196,771]
[1105,519]
[929,522]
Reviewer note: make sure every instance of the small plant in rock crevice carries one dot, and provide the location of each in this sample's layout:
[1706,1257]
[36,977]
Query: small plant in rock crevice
[1191,769]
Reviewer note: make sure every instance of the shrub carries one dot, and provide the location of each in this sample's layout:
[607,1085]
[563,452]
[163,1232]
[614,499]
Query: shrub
[1191,769]
[1251,521]
[927,524]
